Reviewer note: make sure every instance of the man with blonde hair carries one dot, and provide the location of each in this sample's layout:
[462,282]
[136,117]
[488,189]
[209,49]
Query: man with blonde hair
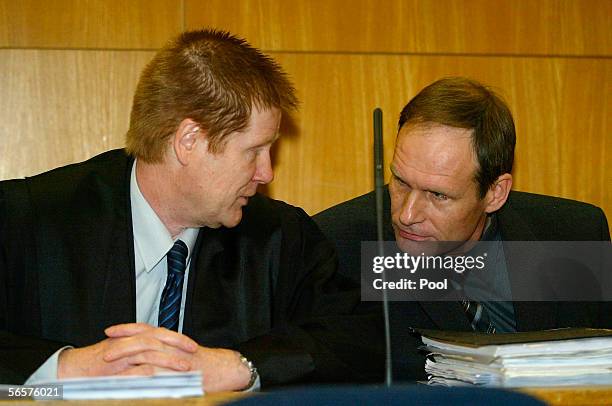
[162,256]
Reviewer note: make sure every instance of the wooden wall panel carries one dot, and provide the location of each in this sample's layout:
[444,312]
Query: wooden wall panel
[65,106]
[556,103]
[137,24]
[59,107]
[329,158]
[585,143]
[543,27]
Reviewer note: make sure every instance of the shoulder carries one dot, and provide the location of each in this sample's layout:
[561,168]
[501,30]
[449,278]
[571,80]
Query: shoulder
[355,208]
[355,219]
[349,223]
[265,215]
[533,201]
[96,181]
[553,218]
[261,206]
[106,166]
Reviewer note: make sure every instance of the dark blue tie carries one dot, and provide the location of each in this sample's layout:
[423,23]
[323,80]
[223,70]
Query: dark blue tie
[170,303]
[478,316]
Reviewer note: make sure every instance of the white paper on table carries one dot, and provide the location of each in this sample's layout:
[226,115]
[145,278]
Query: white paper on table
[166,385]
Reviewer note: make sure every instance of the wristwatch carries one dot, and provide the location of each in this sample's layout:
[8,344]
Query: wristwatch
[252,370]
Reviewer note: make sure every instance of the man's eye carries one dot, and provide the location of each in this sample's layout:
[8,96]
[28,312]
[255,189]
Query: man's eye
[439,196]
[399,181]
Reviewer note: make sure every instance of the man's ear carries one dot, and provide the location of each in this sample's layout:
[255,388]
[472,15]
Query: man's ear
[186,138]
[498,193]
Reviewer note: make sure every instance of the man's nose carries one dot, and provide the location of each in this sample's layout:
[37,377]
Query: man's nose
[264,173]
[412,210]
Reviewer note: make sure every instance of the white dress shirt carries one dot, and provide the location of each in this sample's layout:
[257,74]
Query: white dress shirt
[152,241]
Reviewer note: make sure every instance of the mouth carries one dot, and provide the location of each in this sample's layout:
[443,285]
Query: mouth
[411,236]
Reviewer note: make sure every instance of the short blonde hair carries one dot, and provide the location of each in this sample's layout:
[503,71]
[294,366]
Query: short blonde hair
[211,77]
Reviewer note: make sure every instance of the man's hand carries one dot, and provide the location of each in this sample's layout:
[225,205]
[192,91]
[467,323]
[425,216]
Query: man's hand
[144,352]
[221,368]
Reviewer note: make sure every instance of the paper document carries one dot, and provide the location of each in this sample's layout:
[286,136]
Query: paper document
[541,358]
[168,385]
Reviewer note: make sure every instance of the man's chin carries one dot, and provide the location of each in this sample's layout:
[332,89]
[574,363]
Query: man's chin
[233,219]
[429,247]
[415,247]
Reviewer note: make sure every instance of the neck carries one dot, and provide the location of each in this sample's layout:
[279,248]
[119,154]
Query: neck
[157,190]
[481,227]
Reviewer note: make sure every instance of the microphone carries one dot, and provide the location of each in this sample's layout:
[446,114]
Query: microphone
[379,182]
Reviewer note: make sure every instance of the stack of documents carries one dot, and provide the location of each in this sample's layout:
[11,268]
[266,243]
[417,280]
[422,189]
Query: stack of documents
[561,357]
[170,385]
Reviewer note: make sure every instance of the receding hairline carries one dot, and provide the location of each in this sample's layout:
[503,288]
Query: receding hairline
[425,125]
[417,124]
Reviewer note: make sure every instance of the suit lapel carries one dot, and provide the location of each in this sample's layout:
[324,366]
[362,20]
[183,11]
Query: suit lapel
[86,256]
[447,315]
[119,303]
[208,245]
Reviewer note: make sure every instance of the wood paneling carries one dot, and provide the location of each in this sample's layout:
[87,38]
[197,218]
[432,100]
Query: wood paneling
[59,107]
[559,104]
[544,27]
[139,24]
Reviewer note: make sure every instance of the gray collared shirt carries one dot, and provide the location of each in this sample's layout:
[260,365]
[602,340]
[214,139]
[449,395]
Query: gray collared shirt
[492,289]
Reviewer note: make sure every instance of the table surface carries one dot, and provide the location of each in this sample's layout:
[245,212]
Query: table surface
[588,395]
[584,395]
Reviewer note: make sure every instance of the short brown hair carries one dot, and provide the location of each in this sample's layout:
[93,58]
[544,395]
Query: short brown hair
[464,103]
[211,77]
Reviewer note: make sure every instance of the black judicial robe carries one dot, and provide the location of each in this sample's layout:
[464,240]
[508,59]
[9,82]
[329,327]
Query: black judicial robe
[67,273]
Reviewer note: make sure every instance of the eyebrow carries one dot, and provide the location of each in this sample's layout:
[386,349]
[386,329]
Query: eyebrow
[434,190]
[269,142]
[394,173]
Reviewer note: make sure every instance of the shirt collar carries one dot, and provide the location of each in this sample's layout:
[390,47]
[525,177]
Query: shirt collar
[151,237]
[491,230]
